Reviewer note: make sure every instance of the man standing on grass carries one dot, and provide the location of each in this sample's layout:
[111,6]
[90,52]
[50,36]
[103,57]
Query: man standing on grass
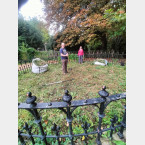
[64,58]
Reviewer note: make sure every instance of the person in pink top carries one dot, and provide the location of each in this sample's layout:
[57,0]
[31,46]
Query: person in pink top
[80,54]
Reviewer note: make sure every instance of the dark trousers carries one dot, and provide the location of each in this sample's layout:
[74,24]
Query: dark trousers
[80,58]
[64,65]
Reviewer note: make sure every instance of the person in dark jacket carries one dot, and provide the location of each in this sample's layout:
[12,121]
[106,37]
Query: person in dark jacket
[64,58]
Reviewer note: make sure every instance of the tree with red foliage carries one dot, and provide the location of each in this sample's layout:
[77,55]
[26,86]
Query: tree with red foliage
[81,21]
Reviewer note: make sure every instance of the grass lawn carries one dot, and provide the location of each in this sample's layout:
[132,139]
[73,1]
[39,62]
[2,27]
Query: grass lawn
[88,80]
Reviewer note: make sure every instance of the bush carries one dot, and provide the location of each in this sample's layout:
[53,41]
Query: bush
[25,53]
[45,55]
[42,55]
[73,57]
[31,52]
[59,58]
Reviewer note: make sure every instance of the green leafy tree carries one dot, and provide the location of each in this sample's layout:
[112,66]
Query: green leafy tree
[117,29]
[32,34]
[29,33]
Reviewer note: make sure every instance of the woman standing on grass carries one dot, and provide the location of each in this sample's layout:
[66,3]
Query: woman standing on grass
[80,54]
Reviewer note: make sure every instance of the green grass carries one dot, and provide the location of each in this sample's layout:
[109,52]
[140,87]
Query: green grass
[88,80]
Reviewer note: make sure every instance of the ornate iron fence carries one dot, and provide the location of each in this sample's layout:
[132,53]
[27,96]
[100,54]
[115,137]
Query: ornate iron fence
[68,107]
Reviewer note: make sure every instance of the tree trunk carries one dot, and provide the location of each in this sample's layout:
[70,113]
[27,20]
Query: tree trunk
[104,42]
[103,39]
[45,47]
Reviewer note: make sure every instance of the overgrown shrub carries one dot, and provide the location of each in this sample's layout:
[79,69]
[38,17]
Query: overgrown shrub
[59,58]
[31,53]
[25,53]
[45,55]
[73,57]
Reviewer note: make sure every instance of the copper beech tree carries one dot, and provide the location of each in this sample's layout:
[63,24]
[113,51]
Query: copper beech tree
[81,22]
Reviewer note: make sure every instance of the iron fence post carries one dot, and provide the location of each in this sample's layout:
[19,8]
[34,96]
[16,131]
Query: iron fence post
[103,93]
[21,138]
[56,129]
[67,98]
[31,100]
[113,121]
[86,127]
[123,125]
[28,129]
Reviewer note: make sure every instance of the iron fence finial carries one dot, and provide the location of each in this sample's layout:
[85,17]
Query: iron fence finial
[67,97]
[103,93]
[31,99]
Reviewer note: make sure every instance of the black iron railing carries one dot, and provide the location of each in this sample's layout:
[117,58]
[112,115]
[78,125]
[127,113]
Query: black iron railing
[68,107]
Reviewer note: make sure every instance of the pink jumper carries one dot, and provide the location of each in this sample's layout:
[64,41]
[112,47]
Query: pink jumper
[80,52]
